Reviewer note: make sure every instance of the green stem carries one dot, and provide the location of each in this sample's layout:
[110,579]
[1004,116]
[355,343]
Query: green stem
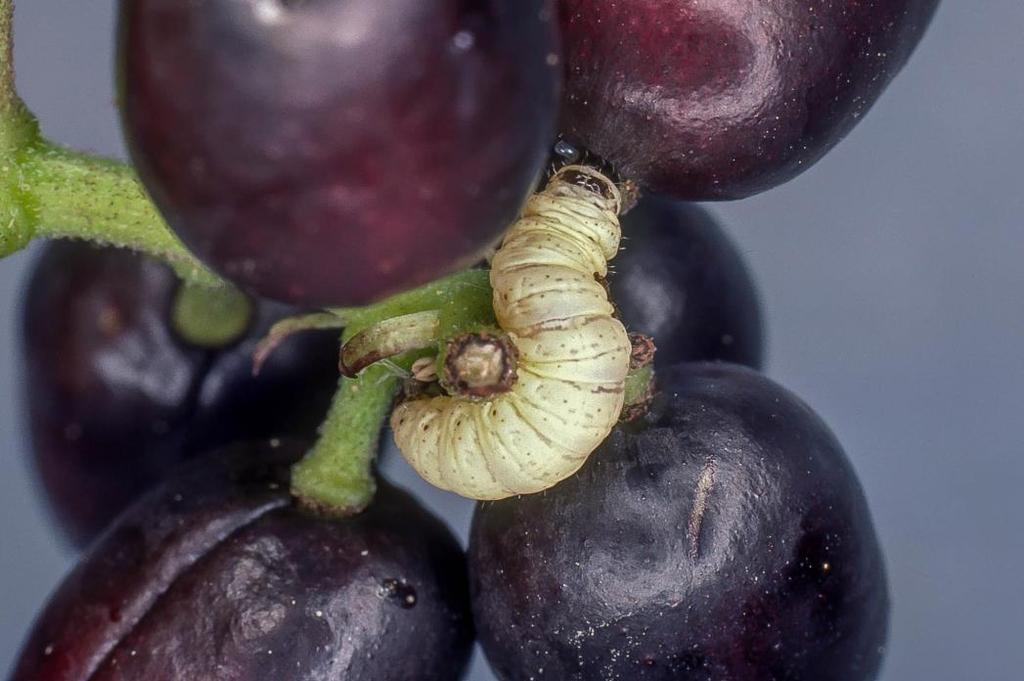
[78,196]
[336,476]
[462,295]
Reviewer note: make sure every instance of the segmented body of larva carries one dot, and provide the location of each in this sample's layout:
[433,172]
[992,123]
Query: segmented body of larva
[573,355]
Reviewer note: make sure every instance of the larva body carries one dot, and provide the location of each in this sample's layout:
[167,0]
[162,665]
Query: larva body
[573,355]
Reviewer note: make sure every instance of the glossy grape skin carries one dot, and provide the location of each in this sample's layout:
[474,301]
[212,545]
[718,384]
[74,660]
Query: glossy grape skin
[332,152]
[116,398]
[680,279]
[723,538]
[217,575]
[721,99]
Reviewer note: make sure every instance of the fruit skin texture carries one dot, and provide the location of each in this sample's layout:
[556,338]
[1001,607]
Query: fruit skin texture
[681,280]
[117,399]
[726,538]
[216,575]
[336,151]
[721,99]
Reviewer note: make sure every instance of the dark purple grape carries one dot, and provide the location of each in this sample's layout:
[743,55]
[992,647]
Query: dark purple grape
[215,575]
[723,537]
[680,279]
[116,398]
[335,151]
[721,99]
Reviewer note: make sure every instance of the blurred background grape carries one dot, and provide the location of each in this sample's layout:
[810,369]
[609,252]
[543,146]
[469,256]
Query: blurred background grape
[892,275]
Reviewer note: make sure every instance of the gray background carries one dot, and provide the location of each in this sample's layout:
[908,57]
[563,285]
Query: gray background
[893,282]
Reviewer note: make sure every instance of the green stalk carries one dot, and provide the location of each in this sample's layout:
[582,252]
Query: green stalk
[78,196]
[463,295]
[336,476]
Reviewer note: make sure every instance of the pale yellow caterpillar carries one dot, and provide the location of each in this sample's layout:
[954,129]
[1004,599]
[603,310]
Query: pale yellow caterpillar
[572,354]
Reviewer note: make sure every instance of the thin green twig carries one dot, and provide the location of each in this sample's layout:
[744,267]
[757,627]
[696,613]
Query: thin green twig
[78,196]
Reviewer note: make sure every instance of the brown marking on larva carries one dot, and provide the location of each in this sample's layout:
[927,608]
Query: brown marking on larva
[560,324]
[700,503]
[542,293]
[554,446]
[572,358]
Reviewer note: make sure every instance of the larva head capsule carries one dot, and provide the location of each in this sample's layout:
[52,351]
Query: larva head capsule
[570,179]
[573,356]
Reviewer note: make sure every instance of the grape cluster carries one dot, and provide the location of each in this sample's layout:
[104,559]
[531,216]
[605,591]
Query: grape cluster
[645,513]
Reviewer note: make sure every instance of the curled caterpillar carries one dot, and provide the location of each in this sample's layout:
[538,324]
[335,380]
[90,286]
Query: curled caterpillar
[571,354]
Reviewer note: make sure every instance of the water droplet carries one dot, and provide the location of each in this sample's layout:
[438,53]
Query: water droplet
[567,151]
